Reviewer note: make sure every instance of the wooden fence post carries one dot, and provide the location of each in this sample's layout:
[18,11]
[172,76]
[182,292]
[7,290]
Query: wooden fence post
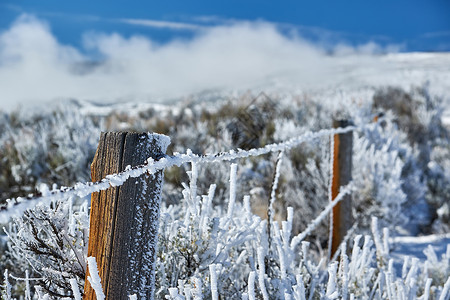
[123,230]
[342,175]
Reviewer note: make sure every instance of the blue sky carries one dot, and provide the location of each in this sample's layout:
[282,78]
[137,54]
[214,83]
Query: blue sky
[151,51]
[413,25]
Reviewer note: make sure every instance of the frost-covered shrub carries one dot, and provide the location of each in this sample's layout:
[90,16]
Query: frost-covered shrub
[208,252]
[378,181]
[389,181]
[198,233]
[52,243]
[418,114]
[226,251]
[52,147]
[208,244]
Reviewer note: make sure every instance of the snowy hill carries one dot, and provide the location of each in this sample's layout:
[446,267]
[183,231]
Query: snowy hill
[347,76]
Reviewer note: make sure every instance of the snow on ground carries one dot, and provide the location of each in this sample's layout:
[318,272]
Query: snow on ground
[416,247]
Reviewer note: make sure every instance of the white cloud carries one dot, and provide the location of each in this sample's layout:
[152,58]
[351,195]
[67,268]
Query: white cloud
[161,24]
[436,34]
[35,66]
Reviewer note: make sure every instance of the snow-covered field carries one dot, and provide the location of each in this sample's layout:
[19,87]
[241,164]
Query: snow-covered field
[400,175]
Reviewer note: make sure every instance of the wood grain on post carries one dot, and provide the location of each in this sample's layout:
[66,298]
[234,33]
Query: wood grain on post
[124,220]
[342,175]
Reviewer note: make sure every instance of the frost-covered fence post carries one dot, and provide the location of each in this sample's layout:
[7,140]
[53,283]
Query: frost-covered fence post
[342,175]
[124,219]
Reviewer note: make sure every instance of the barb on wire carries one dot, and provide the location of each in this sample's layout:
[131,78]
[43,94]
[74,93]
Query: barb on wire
[17,207]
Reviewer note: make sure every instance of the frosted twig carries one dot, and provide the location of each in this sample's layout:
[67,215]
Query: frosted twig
[299,288]
[7,286]
[445,291]
[262,273]
[191,197]
[332,291]
[94,278]
[232,200]
[197,289]
[426,293]
[205,209]
[75,289]
[213,279]
[379,245]
[251,285]
[343,271]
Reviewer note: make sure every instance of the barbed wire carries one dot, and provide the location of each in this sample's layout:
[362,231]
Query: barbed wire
[16,207]
[323,214]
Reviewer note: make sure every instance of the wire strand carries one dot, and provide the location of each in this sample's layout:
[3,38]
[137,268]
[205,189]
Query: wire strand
[17,207]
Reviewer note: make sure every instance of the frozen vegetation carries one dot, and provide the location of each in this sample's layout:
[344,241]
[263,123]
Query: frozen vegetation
[243,226]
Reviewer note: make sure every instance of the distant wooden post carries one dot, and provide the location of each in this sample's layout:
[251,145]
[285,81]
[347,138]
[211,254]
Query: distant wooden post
[123,230]
[342,175]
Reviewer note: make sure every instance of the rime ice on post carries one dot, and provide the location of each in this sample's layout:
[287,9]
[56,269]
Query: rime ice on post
[124,218]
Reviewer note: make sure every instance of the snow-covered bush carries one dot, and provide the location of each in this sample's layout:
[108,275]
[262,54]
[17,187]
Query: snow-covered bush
[52,243]
[418,115]
[51,147]
[379,161]
[227,252]
[207,250]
